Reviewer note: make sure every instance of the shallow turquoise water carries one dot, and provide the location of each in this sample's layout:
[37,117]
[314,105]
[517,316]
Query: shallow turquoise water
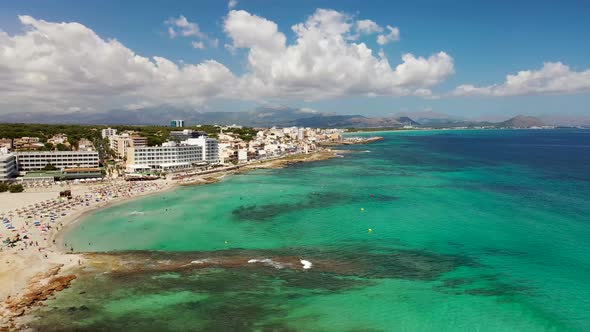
[471,230]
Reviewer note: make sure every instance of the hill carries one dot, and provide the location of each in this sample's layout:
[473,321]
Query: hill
[521,121]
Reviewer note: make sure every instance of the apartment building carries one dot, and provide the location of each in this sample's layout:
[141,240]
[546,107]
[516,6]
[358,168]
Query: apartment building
[183,135]
[209,146]
[6,143]
[30,143]
[36,160]
[125,141]
[168,157]
[8,165]
[108,132]
[177,123]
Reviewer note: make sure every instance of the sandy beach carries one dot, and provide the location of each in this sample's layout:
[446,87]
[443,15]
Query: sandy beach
[34,263]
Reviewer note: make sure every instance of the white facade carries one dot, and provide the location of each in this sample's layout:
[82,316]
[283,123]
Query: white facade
[209,146]
[8,166]
[242,155]
[109,132]
[121,143]
[29,161]
[167,158]
[300,134]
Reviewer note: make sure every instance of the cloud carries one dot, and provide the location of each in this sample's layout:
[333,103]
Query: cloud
[54,66]
[367,27]
[322,63]
[552,78]
[232,4]
[392,36]
[182,27]
[198,45]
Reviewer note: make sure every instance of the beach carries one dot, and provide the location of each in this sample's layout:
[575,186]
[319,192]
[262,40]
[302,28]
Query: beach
[35,262]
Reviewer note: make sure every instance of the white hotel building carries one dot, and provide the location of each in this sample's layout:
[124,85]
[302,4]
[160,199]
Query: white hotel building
[8,166]
[168,157]
[36,160]
[209,146]
[172,156]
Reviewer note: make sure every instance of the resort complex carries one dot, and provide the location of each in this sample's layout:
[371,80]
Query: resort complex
[121,153]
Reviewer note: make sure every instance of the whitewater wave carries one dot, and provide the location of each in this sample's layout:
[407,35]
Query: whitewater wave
[268,262]
[135,213]
[306,264]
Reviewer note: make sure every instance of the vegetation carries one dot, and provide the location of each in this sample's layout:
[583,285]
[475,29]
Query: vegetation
[49,167]
[16,188]
[62,147]
[156,135]
[13,188]
[245,133]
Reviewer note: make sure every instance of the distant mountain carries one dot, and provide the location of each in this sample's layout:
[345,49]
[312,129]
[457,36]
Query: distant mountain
[521,121]
[264,117]
[430,118]
[260,117]
[565,119]
[352,121]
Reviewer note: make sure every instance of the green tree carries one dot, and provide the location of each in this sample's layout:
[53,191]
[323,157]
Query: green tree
[49,167]
[62,147]
[16,188]
[3,187]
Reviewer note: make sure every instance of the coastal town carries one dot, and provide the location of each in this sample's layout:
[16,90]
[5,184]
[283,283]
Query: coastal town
[46,184]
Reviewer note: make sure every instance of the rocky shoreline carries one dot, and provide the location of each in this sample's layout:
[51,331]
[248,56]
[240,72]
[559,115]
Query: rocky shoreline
[40,288]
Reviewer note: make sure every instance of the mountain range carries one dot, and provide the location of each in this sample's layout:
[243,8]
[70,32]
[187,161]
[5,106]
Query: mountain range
[263,117]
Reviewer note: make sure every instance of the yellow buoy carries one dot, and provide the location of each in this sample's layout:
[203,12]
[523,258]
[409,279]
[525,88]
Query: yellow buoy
[362,209]
[226,242]
[370,230]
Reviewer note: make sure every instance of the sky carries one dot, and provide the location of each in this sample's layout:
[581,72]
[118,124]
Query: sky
[475,59]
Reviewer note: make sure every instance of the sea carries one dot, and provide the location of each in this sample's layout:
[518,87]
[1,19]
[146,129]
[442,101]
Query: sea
[458,230]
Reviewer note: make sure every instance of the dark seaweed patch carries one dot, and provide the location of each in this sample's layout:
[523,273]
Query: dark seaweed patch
[268,211]
[315,200]
[240,296]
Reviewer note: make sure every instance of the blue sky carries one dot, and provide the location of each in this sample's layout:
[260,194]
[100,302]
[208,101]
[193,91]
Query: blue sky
[486,40]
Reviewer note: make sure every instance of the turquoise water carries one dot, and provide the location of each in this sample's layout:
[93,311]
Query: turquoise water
[423,231]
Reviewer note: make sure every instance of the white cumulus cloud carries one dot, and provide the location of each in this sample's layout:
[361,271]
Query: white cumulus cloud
[367,27]
[323,63]
[552,78]
[53,66]
[56,66]
[392,36]
[182,27]
[232,4]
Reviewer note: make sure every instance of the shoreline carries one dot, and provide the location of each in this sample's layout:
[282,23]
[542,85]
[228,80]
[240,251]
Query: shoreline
[39,274]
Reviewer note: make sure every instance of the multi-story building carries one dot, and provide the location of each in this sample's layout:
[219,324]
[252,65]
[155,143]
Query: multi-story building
[168,157]
[8,166]
[177,123]
[6,143]
[125,141]
[209,146]
[34,160]
[108,132]
[58,139]
[30,143]
[183,135]
[85,145]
